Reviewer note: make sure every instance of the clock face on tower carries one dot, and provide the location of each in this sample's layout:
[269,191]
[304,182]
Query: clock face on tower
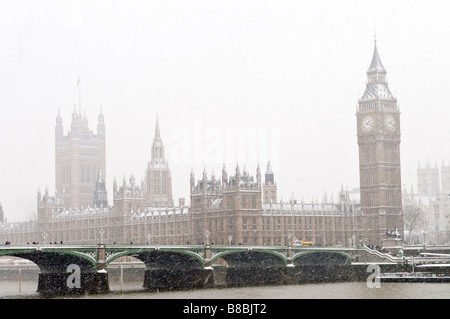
[367,123]
[389,123]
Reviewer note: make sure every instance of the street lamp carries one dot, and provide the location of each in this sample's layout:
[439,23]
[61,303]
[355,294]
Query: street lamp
[289,236]
[230,238]
[207,233]
[149,236]
[44,236]
[101,231]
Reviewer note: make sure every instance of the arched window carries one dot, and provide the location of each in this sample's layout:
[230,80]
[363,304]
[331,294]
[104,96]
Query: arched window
[82,173]
[88,173]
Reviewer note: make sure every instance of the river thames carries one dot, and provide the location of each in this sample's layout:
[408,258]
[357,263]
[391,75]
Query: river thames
[342,290]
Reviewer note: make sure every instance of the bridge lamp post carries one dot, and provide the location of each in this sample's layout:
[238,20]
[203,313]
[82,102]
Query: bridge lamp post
[149,236]
[230,238]
[44,236]
[207,252]
[289,253]
[353,241]
[207,233]
[101,231]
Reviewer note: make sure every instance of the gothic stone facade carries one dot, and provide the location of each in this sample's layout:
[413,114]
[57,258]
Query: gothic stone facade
[238,209]
[229,210]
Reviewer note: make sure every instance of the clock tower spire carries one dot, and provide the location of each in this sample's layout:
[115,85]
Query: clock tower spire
[378,135]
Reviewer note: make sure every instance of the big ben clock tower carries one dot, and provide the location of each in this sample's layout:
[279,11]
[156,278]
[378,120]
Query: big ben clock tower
[378,125]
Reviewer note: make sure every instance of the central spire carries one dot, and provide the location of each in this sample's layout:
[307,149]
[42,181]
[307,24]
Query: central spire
[376,66]
[377,85]
[158,181]
[157,147]
[157,134]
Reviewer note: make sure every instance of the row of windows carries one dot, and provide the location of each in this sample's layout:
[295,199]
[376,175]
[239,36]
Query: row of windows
[270,196]
[274,224]
[159,188]
[247,202]
[253,202]
[66,176]
[251,221]
[374,198]
[370,153]
[376,176]
[88,173]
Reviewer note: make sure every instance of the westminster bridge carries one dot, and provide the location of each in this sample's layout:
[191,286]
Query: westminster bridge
[75,269]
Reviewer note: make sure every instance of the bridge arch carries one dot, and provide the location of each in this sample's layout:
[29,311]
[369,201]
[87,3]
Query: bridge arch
[315,257]
[167,267]
[251,256]
[55,260]
[167,258]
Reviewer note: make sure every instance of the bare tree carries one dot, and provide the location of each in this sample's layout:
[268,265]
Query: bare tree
[413,216]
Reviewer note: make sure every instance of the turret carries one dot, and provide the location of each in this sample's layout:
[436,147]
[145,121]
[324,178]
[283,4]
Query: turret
[269,187]
[75,120]
[224,176]
[158,183]
[100,193]
[258,176]
[192,181]
[59,132]
[269,176]
[157,147]
[101,124]
[205,179]
[115,186]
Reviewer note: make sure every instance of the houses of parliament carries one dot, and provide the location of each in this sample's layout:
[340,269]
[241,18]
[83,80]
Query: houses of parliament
[237,207]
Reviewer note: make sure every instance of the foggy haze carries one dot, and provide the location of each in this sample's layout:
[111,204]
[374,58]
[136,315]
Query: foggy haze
[285,76]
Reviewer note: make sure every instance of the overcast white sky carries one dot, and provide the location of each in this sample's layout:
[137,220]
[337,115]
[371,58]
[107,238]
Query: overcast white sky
[286,75]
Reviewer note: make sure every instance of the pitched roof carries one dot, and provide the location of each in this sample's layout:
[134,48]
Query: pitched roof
[376,65]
